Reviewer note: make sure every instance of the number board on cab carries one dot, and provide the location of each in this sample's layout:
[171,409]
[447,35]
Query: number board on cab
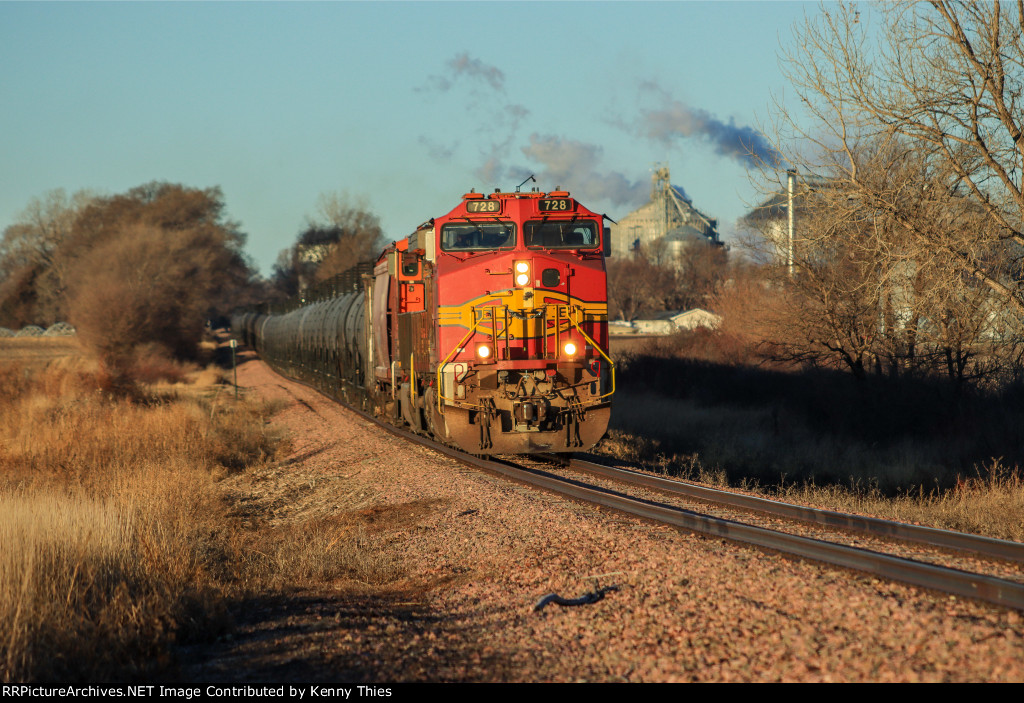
[483,206]
[556,205]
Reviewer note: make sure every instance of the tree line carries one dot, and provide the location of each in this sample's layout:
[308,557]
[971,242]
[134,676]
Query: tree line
[139,273]
[649,282]
[145,267]
[341,233]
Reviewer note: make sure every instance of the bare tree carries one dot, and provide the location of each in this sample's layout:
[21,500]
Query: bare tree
[944,77]
[639,286]
[343,232]
[700,269]
[31,274]
[354,228]
[284,275]
[908,250]
[149,265]
[659,252]
[41,228]
[636,286]
[868,294]
[146,285]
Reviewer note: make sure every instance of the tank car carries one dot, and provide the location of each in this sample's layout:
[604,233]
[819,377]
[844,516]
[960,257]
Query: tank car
[485,328]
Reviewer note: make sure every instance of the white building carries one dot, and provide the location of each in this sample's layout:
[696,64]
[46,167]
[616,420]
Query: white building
[667,323]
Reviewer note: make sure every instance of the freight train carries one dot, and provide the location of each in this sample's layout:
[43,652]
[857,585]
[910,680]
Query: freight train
[486,328]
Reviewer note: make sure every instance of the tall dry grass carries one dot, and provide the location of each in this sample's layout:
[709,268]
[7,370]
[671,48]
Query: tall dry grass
[329,549]
[77,585]
[120,537]
[116,543]
[990,503]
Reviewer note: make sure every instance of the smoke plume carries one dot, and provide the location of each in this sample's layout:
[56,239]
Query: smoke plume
[678,121]
[463,65]
[577,166]
[482,88]
[475,71]
[673,120]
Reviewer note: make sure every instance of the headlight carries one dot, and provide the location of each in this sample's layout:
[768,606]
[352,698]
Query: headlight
[569,348]
[522,273]
[483,352]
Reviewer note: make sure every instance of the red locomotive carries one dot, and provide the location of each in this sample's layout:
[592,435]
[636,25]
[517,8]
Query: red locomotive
[486,328]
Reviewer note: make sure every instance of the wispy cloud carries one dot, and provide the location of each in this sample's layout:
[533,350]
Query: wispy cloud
[437,150]
[478,91]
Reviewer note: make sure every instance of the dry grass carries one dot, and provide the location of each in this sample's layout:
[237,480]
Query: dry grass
[334,549]
[38,350]
[82,583]
[116,539]
[770,445]
[61,427]
[121,537]
[990,503]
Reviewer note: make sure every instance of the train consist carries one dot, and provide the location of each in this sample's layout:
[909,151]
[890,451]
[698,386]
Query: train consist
[486,328]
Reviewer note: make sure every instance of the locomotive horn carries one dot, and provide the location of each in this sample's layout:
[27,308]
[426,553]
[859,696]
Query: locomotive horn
[531,178]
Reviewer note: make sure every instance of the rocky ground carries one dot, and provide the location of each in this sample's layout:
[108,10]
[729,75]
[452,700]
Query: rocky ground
[455,561]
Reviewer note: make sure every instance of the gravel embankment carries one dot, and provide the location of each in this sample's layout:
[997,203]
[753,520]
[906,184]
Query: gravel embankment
[476,554]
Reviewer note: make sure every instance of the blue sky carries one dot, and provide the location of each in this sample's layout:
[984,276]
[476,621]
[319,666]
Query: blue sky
[409,104]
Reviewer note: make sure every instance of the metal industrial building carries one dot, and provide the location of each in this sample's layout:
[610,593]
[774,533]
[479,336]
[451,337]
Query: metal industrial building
[660,229]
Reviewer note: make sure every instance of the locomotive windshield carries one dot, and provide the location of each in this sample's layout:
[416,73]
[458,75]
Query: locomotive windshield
[478,236]
[564,234]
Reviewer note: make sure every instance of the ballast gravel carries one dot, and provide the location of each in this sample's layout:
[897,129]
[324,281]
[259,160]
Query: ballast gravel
[475,554]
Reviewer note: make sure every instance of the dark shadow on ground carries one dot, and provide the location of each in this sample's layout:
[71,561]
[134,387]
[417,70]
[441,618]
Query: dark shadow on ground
[957,427]
[324,638]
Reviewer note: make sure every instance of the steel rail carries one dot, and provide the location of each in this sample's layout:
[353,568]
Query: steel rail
[939,578]
[960,583]
[946,539]
[954,581]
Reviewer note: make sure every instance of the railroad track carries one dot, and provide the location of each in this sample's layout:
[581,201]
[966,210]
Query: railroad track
[551,474]
[974,545]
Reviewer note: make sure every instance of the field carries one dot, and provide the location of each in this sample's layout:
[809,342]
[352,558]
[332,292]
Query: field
[915,451]
[117,540]
[35,351]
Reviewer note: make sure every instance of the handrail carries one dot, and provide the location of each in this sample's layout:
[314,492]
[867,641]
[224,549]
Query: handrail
[596,346]
[451,355]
